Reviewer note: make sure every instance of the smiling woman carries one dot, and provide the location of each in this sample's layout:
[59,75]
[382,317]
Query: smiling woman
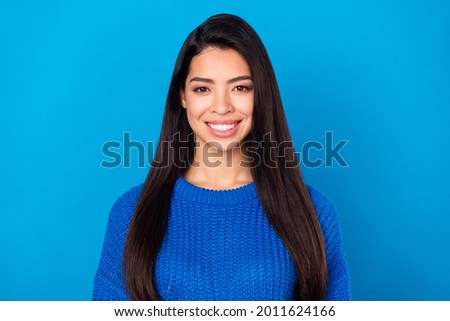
[233,228]
[219,108]
[214,99]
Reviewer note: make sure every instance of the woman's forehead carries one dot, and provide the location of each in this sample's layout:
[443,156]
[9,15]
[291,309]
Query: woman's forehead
[218,63]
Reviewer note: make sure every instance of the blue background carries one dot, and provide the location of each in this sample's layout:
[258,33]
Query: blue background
[76,75]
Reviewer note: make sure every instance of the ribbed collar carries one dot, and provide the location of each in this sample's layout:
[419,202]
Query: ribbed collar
[208,196]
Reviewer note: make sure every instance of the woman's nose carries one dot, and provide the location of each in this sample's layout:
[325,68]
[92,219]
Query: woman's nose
[222,104]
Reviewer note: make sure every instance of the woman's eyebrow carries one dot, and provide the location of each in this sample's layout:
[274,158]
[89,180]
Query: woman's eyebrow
[239,78]
[210,81]
[200,79]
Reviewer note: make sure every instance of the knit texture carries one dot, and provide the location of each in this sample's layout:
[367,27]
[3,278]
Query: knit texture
[219,245]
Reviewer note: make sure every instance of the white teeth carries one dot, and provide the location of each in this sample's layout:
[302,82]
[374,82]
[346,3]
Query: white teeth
[222,127]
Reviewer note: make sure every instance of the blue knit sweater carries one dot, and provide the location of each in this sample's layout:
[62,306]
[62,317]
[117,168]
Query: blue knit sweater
[219,245]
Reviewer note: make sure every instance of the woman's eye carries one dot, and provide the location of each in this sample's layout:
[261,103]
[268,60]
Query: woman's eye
[201,89]
[241,88]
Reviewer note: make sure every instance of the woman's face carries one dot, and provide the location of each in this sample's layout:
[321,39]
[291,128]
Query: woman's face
[218,97]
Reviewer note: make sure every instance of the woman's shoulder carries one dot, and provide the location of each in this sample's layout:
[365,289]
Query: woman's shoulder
[125,204]
[130,196]
[322,204]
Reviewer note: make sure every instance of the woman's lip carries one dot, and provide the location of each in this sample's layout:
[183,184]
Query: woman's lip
[223,122]
[226,133]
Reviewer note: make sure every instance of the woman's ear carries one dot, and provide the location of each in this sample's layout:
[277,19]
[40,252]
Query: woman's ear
[182,99]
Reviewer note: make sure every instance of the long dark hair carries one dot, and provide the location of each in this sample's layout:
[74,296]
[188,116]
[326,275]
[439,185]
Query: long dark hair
[288,206]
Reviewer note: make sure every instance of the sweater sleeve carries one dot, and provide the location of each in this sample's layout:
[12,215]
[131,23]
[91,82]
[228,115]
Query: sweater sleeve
[338,288]
[108,285]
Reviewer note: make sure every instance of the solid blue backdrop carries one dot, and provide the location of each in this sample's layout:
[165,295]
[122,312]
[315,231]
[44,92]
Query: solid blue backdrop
[74,76]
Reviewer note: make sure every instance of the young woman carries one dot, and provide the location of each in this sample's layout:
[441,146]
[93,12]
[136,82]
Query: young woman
[224,213]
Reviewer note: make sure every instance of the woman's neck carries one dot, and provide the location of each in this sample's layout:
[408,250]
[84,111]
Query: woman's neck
[219,170]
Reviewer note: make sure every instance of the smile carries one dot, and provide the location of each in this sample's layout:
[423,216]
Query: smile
[222,127]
